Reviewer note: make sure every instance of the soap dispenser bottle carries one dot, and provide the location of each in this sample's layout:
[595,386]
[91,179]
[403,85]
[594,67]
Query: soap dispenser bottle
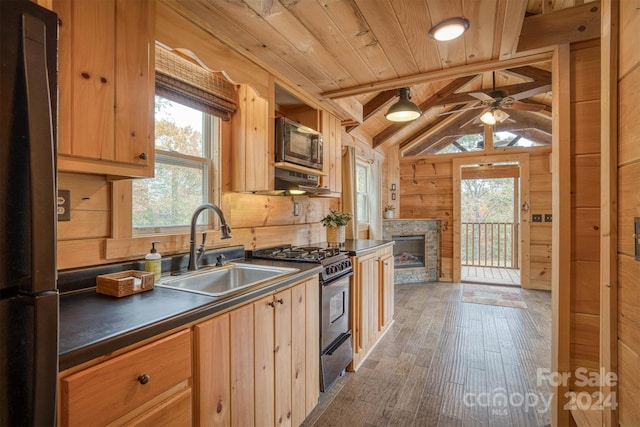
[153,262]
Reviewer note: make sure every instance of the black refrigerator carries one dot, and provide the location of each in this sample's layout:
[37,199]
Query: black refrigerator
[28,280]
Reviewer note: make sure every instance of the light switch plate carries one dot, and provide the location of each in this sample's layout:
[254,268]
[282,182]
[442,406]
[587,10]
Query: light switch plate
[296,209]
[636,237]
[548,217]
[536,217]
[64,205]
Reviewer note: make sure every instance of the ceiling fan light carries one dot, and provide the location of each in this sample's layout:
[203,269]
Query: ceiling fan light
[449,29]
[500,116]
[404,110]
[488,118]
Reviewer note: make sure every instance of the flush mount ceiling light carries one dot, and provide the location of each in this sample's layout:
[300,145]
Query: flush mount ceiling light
[404,110]
[449,29]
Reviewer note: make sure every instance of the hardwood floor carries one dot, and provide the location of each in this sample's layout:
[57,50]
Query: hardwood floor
[446,363]
[491,275]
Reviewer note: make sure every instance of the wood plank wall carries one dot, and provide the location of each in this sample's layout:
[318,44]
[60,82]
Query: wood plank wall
[426,191]
[585,205]
[256,220]
[629,207]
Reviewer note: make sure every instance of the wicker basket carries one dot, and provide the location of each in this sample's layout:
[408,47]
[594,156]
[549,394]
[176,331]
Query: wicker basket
[336,235]
[124,283]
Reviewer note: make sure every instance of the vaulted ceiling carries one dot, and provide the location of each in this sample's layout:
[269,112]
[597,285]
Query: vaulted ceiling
[354,55]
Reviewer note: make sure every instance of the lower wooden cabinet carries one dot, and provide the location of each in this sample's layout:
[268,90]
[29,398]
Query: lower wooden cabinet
[385,288]
[372,301]
[259,364]
[150,385]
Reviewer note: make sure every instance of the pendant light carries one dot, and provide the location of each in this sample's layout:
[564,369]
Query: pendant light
[404,110]
[449,29]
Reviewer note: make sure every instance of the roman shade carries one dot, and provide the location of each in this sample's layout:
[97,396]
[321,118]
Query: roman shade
[183,81]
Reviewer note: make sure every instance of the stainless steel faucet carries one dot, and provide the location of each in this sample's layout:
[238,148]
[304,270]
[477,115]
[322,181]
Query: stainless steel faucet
[225,233]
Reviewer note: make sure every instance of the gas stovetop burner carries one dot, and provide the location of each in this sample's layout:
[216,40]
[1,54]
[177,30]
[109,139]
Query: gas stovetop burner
[301,253]
[335,263]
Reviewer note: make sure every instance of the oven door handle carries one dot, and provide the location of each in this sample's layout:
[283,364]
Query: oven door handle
[333,347]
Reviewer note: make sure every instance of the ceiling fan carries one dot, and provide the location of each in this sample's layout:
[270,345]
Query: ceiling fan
[495,101]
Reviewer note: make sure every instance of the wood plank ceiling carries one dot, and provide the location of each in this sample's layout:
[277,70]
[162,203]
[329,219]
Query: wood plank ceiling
[373,47]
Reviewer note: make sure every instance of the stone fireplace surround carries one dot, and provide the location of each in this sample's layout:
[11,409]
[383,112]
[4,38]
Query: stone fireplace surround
[430,228]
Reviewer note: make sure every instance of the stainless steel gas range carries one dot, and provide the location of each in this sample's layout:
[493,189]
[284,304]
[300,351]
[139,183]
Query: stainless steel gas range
[335,331]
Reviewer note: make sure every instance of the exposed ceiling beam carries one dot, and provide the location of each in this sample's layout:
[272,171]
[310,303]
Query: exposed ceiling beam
[535,73]
[433,100]
[464,97]
[443,126]
[564,26]
[433,76]
[372,107]
[460,126]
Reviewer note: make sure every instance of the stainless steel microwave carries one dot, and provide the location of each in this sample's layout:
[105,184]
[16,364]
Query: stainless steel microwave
[298,144]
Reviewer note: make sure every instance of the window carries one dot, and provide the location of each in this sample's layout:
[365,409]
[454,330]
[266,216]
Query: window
[508,139]
[186,152]
[362,191]
[461,144]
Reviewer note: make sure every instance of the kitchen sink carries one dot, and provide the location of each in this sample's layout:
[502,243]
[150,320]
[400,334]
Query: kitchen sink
[226,280]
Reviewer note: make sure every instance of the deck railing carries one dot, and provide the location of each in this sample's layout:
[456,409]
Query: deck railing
[489,244]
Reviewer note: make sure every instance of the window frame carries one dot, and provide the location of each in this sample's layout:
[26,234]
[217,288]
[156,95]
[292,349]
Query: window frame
[363,164]
[212,140]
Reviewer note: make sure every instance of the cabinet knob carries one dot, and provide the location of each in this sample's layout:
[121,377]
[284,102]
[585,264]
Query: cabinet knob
[271,304]
[281,301]
[144,378]
[143,156]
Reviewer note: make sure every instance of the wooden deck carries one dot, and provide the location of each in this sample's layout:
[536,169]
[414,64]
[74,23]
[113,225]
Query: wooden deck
[445,362]
[491,275]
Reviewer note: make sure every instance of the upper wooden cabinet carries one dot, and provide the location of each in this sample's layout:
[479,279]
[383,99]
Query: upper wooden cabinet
[106,84]
[252,147]
[332,152]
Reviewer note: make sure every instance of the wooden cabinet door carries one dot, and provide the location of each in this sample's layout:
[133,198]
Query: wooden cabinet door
[386,290]
[86,69]
[264,312]
[367,312]
[252,153]
[260,364]
[213,376]
[332,152]
[135,82]
[312,346]
[282,351]
[106,87]
[241,353]
[299,354]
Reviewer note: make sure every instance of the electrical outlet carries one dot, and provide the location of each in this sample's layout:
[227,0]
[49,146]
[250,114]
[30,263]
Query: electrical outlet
[296,209]
[64,205]
[548,217]
[536,217]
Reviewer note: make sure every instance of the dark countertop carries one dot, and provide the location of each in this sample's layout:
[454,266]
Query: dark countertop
[357,247]
[92,324]
[360,246]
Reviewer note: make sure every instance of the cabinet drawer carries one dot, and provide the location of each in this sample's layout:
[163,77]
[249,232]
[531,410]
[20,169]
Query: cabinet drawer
[111,389]
[175,412]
